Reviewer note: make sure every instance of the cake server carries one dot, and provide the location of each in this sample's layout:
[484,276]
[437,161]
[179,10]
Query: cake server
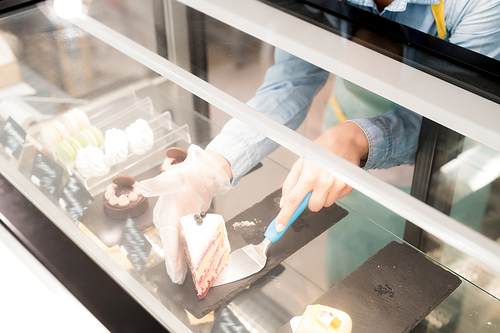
[250,259]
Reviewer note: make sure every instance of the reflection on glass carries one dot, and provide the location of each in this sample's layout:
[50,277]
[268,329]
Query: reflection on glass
[468,185]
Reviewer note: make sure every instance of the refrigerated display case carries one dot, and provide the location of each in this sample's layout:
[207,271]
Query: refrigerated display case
[186,68]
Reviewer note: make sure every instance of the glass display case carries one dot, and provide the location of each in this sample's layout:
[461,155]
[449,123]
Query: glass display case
[183,69]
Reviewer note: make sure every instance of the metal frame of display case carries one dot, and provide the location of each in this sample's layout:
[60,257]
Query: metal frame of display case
[7,6]
[427,161]
[172,23]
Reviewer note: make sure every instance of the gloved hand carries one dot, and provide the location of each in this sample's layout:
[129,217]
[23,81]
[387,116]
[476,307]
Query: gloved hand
[184,188]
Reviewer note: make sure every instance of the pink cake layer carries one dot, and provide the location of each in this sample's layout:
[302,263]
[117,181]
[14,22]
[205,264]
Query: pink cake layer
[203,278]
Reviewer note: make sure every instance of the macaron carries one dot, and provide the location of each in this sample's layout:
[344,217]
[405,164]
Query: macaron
[63,130]
[67,149]
[98,135]
[75,120]
[91,136]
[71,123]
[74,143]
[53,133]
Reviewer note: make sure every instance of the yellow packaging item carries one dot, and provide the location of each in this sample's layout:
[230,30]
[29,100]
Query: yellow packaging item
[323,319]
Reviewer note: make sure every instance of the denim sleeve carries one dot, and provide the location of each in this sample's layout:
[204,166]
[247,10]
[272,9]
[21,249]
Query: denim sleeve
[392,137]
[285,96]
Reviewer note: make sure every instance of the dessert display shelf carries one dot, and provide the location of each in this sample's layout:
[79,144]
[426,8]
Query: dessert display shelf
[163,132]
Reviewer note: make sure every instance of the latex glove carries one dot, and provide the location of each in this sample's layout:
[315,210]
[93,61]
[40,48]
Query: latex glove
[184,188]
[346,140]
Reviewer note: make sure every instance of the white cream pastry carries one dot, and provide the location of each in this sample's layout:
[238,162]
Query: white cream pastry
[90,162]
[324,319]
[115,146]
[140,137]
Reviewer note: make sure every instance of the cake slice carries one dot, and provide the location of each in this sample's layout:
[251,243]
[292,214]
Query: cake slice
[207,248]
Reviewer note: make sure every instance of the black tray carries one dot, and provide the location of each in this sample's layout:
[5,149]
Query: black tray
[391,292]
[307,227]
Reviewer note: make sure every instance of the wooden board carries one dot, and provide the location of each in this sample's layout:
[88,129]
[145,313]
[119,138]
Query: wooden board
[391,292]
[307,227]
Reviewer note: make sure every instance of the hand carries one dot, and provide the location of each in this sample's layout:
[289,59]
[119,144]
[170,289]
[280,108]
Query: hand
[184,188]
[346,140]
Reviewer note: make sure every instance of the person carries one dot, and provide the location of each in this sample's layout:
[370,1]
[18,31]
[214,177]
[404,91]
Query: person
[289,86]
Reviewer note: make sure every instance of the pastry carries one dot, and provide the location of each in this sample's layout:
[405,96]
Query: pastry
[91,136]
[90,162]
[75,120]
[67,149]
[122,199]
[323,319]
[71,123]
[174,155]
[52,133]
[140,137]
[115,146]
[207,248]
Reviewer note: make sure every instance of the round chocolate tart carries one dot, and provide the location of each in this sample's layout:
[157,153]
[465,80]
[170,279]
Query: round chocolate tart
[122,199]
[174,155]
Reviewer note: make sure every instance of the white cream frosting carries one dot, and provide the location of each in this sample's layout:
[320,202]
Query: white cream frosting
[90,162]
[197,236]
[115,146]
[124,199]
[140,137]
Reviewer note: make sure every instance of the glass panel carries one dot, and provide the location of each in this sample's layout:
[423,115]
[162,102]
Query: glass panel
[364,25]
[135,22]
[113,90]
[465,185]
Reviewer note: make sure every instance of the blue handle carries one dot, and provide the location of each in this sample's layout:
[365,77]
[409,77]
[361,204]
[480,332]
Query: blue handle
[271,233]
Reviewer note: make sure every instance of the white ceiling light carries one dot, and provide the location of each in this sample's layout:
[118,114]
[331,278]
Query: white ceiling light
[67,9]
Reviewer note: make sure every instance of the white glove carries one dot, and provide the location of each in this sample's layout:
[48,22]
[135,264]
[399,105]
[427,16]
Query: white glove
[184,188]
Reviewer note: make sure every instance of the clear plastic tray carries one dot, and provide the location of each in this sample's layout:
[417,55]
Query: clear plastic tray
[120,114]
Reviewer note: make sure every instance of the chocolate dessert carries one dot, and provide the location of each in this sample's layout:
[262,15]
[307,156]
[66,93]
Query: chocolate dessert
[174,155]
[122,199]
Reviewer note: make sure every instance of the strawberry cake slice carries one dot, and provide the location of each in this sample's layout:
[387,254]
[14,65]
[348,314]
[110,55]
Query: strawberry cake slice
[207,248]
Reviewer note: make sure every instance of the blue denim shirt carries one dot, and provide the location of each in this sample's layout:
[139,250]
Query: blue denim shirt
[291,83]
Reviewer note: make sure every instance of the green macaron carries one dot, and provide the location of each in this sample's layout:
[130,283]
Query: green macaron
[74,143]
[98,135]
[67,149]
[66,152]
[91,136]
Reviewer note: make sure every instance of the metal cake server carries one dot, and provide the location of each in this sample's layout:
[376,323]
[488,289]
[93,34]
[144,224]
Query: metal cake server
[250,259]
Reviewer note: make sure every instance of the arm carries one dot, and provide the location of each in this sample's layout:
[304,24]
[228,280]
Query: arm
[393,137]
[346,140]
[285,96]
